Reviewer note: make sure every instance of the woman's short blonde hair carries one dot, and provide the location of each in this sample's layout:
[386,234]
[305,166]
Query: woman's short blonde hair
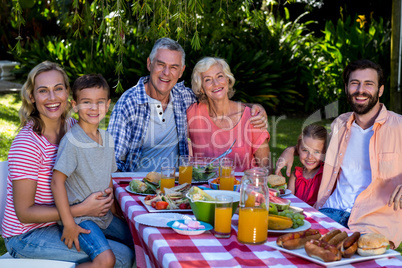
[28,111]
[202,66]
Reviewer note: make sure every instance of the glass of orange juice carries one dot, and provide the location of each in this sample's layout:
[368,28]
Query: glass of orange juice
[223,216]
[167,178]
[226,174]
[185,169]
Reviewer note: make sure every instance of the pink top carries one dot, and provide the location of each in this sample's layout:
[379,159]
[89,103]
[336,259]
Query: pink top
[31,157]
[210,141]
[307,189]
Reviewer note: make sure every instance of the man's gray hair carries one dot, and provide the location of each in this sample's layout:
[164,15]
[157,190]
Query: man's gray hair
[170,44]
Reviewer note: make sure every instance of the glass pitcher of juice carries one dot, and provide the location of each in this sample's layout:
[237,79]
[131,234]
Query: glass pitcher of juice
[254,206]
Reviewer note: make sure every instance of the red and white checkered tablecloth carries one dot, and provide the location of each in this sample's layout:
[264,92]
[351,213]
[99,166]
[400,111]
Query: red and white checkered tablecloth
[162,247]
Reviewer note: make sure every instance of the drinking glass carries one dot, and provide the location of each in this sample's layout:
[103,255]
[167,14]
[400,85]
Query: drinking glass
[223,216]
[167,178]
[185,169]
[226,174]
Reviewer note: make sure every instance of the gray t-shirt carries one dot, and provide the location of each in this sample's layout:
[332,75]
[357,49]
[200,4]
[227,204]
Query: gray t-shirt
[88,166]
[161,144]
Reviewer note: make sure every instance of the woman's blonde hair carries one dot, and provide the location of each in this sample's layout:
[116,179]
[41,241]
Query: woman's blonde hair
[202,66]
[28,111]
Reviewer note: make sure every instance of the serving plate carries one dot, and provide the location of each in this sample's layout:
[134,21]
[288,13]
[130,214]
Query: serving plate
[190,232]
[160,219]
[291,230]
[301,252]
[153,210]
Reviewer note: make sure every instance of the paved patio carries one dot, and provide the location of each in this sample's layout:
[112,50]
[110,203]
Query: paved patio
[8,86]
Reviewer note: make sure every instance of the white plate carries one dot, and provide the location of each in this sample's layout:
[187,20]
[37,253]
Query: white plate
[301,252]
[129,174]
[151,209]
[128,189]
[160,219]
[287,192]
[190,232]
[291,230]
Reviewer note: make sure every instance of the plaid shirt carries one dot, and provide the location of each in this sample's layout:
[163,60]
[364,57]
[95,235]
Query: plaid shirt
[130,120]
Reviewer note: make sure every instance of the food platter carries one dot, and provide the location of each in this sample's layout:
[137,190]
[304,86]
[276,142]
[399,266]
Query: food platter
[290,230]
[301,252]
[128,189]
[159,219]
[153,210]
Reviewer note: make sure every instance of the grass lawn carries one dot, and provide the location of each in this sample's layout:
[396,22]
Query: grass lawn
[283,130]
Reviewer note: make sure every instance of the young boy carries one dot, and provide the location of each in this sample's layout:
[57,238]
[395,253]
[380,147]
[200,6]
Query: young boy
[83,166]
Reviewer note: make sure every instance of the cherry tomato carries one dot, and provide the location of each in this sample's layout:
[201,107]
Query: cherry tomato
[184,206]
[149,197]
[153,204]
[161,205]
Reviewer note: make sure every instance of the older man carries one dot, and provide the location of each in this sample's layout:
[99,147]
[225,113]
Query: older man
[362,178]
[148,122]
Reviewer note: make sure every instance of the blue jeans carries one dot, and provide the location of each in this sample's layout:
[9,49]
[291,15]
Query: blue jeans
[45,243]
[340,216]
[96,241]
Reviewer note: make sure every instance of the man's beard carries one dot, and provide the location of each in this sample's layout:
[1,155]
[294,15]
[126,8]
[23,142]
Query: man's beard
[363,108]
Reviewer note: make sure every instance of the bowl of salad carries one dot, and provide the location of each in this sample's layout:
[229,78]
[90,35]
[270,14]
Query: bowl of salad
[203,170]
[203,202]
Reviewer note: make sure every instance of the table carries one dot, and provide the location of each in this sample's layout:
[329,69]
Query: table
[162,247]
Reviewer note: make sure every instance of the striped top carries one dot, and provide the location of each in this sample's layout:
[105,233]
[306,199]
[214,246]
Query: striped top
[31,157]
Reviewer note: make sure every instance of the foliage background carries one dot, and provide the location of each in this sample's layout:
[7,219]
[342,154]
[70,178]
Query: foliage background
[286,55]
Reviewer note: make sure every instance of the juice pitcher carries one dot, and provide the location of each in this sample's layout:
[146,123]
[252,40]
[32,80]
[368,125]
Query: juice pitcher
[254,206]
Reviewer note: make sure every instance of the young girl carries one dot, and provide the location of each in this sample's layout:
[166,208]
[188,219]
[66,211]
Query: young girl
[311,146]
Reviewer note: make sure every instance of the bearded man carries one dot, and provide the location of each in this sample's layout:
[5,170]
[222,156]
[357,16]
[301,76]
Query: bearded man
[361,185]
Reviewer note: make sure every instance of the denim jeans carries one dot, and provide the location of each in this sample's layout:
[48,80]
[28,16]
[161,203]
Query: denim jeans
[340,216]
[96,241]
[45,243]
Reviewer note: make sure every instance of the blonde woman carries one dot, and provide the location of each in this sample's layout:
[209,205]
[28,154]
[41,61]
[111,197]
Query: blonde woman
[216,121]
[29,225]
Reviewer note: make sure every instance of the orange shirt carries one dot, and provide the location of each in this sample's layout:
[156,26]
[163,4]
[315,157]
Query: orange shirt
[370,212]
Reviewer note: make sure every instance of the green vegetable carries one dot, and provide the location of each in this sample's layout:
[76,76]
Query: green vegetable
[197,194]
[204,173]
[141,187]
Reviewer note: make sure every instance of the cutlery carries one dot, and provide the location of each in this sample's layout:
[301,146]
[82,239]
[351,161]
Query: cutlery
[228,151]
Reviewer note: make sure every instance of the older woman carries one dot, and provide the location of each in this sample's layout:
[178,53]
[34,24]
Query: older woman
[29,225]
[216,121]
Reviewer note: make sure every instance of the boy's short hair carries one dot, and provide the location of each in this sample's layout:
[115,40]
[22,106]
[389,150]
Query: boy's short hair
[88,81]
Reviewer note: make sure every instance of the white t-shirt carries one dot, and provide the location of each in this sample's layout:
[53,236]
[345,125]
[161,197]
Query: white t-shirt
[355,173]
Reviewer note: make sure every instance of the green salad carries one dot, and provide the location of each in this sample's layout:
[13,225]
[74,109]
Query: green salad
[203,173]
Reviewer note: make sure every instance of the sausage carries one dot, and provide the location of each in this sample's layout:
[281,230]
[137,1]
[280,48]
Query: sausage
[338,239]
[349,245]
[328,236]
[323,251]
[298,239]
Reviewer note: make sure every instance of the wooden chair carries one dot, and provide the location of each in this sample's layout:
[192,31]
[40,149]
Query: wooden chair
[7,261]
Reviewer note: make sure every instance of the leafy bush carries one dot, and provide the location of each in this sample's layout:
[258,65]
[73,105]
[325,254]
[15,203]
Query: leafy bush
[79,57]
[343,43]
